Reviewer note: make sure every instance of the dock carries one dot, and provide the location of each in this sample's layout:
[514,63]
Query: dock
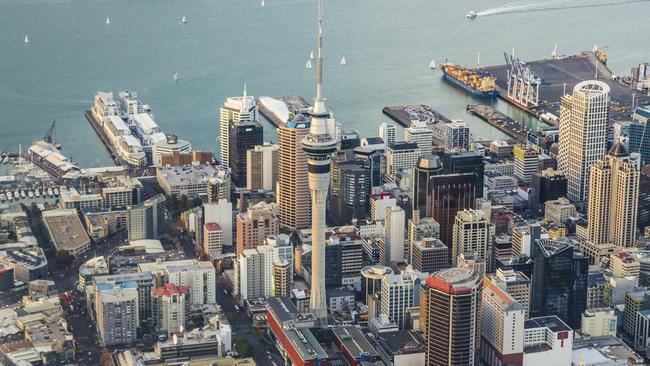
[500,121]
[406,114]
[294,105]
[102,136]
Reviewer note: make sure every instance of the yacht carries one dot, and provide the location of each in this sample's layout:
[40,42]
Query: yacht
[308,66]
[27,39]
[50,192]
[22,194]
[3,197]
[184,20]
[343,62]
[16,194]
[55,191]
[432,65]
[176,77]
[30,194]
[311,55]
[37,193]
[108,21]
[471,15]
[263,3]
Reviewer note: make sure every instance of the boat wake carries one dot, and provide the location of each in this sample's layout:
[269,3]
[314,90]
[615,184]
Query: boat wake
[551,5]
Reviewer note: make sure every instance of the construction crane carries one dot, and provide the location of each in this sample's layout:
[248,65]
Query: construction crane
[523,84]
[49,135]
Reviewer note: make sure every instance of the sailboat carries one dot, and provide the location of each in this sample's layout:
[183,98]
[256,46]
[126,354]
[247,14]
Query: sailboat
[308,66]
[432,65]
[263,3]
[176,77]
[27,39]
[108,21]
[311,55]
[554,55]
[343,62]
[184,19]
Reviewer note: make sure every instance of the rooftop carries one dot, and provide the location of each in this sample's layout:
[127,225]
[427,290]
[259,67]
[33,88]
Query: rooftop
[354,341]
[552,322]
[170,289]
[284,310]
[401,342]
[65,229]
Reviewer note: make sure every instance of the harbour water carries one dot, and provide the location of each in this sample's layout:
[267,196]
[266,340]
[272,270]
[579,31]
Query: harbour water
[388,46]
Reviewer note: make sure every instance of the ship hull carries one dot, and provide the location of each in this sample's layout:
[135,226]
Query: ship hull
[468,88]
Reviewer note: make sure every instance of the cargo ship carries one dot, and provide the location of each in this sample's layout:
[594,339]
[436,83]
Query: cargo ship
[475,82]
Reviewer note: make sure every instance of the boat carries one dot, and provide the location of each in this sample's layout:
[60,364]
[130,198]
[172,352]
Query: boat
[308,66]
[50,192]
[55,191]
[16,194]
[108,21]
[343,62]
[30,194]
[311,55]
[37,193]
[8,195]
[263,4]
[474,81]
[471,15]
[3,197]
[184,19]
[22,194]
[27,39]
[176,77]
[432,65]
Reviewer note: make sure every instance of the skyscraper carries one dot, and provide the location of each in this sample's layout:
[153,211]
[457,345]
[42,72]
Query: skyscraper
[235,109]
[449,194]
[613,198]
[350,188]
[319,146]
[243,136]
[255,225]
[428,165]
[450,308]
[457,135]
[394,235]
[387,132]
[294,205]
[419,133]
[583,134]
[526,163]
[471,234]
[262,169]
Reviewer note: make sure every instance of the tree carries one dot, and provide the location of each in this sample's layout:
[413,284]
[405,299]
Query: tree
[64,259]
[244,347]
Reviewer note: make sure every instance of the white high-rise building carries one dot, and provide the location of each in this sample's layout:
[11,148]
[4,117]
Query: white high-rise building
[212,240]
[526,163]
[387,132]
[419,133]
[502,326]
[282,249]
[471,234]
[401,156]
[220,213]
[457,135]
[170,308]
[254,273]
[235,110]
[399,292]
[319,146]
[394,234]
[200,277]
[583,134]
[116,311]
[613,198]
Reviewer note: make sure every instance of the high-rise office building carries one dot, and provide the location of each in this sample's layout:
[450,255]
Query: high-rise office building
[427,165]
[262,169]
[170,307]
[613,198]
[429,255]
[243,136]
[419,133]
[394,235]
[502,327]
[449,194]
[457,135]
[294,205]
[371,157]
[639,135]
[350,188]
[450,308]
[255,225]
[147,219]
[418,229]
[549,184]
[116,312]
[399,292]
[319,146]
[526,162]
[401,156]
[459,162]
[212,240]
[515,283]
[583,134]
[281,277]
[471,234]
[387,132]
[559,281]
[234,110]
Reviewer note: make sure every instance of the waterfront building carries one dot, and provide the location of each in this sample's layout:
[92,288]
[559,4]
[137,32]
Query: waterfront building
[427,166]
[394,235]
[471,234]
[457,135]
[294,204]
[255,225]
[559,282]
[242,136]
[401,156]
[526,163]
[169,147]
[419,133]
[398,293]
[116,313]
[387,132]
[502,327]
[613,198]
[212,240]
[262,167]
[584,116]
[71,199]
[147,219]
[234,111]
[450,311]
[170,308]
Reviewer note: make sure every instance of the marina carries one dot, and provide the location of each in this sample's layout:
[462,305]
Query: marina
[406,114]
[279,110]
[499,120]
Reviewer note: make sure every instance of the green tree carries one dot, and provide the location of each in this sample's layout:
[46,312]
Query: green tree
[244,347]
[64,259]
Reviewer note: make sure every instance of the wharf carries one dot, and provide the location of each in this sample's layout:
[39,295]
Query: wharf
[102,136]
[405,114]
[294,105]
[559,76]
[499,120]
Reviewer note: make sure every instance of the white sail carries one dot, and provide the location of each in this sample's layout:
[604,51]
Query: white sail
[432,65]
[176,76]
[554,55]
[108,21]
[343,61]
[263,3]
[311,55]
[27,39]
[308,66]
[184,20]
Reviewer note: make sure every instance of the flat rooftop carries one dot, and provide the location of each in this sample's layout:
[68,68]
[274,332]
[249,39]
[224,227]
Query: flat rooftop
[401,342]
[65,229]
[354,341]
[551,322]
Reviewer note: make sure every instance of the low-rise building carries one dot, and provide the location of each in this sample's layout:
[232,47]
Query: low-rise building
[66,231]
[547,341]
[187,180]
[28,264]
[340,300]
[598,322]
[354,346]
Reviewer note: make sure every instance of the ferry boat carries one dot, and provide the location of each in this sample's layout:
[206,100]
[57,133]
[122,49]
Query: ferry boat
[473,81]
[471,15]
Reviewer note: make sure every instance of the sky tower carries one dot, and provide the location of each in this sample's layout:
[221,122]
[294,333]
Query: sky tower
[319,146]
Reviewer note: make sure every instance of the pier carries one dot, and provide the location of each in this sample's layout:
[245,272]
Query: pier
[499,120]
[294,105]
[405,114]
[102,136]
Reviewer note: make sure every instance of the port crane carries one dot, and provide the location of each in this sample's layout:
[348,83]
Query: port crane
[49,135]
[523,84]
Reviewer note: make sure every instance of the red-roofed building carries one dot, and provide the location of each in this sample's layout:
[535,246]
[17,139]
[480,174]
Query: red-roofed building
[170,307]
